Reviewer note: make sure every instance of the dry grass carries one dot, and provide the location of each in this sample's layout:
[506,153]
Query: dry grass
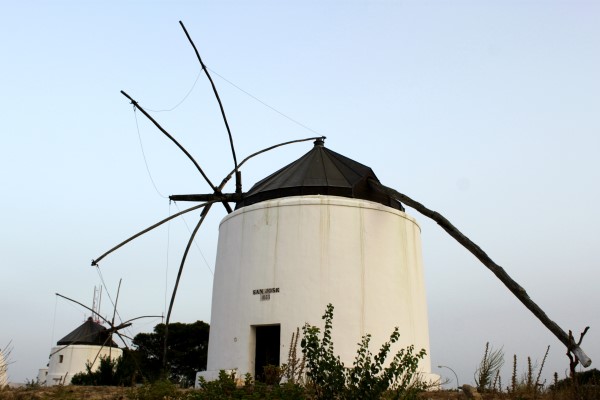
[65,393]
[589,392]
[121,393]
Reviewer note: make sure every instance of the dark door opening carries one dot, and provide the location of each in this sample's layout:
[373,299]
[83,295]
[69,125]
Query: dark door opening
[267,349]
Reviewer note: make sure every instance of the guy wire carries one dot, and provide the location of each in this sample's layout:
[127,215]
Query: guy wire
[167,266]
[144,155]
[195,243]
[184,97]
[108,293]
[263,103]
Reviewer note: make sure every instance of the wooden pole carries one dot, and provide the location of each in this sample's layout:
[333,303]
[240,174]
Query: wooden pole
[238,186]
[497,270]
[185,253]
[234,196]
[206,197]
[97,260]
[167,134]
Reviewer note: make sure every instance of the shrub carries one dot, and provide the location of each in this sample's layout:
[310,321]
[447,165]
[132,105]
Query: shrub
[104,375]
[368,378]
[325,371]
[222,388]
[158,390]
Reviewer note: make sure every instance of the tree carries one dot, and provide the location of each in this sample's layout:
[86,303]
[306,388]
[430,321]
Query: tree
[186,352]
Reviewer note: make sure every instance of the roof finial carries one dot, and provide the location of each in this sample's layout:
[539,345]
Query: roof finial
[320,142]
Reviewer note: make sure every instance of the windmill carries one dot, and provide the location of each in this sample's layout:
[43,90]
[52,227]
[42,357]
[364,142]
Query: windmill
[82,349]
[319,178]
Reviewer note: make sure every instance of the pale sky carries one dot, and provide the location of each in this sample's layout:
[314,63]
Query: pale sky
[484,111]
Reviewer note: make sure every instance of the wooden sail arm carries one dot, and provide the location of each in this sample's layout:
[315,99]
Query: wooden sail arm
[179,272]
[123,243]
[167,134]
[86,307]
[228,177]
[120,326]
[143,316]
[238,185]
[234,197]
[497,270]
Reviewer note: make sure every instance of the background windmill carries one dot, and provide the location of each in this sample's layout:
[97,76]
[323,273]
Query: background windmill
[217,196]
[82,349]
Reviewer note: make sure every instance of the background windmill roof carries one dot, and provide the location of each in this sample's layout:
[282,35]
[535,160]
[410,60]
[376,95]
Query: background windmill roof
[89,332]
[320,171]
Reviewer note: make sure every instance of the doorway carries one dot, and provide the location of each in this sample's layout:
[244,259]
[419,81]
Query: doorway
[267,349]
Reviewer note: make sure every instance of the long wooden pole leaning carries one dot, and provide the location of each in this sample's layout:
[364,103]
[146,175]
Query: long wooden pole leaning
[185,253]
[497,270]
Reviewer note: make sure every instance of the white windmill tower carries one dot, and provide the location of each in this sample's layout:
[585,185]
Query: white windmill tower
[4,361]
[314,233]
[3,371]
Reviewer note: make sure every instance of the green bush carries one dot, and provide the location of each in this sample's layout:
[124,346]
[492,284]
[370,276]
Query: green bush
[104,375]
[225,388]
[324,370]
[327,378]
[158,390]
[368,378]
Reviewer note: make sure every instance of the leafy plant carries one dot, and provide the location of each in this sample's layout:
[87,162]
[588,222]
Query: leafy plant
[590,377]
[325,371]
[104,375]
[158,390]
[222,388]
[369,378]
[272,374]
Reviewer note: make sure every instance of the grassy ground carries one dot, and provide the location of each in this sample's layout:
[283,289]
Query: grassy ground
[120,393]
[66,393]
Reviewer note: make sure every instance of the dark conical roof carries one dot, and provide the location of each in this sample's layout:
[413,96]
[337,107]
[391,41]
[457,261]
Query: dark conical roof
[320,171]
[89,332]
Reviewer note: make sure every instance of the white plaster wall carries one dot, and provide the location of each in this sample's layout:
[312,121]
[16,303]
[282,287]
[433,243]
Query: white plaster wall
[74,361]
[3,370]
[42,376]
[363,257]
